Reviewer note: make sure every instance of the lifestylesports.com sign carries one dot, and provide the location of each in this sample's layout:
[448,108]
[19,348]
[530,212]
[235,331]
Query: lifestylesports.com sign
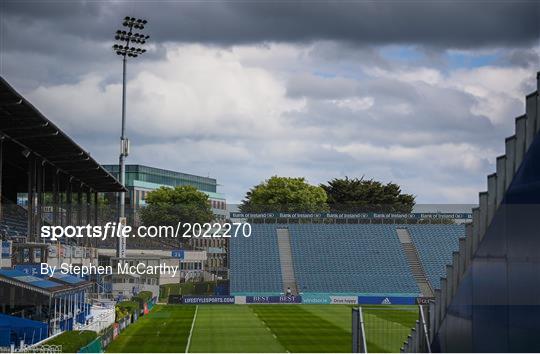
[198,300]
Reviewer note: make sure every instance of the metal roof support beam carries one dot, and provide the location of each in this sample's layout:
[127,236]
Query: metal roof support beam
[30,195]
[25,127]
[10,102]
[33,136]
[1,172]
[96,211]
[39,198]
[53,158]
[69,201]
[55,196]
[88,212]
[79,205]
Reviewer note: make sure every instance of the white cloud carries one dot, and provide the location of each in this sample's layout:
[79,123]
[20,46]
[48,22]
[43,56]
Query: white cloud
[230,113]
[498,90]
[355,104]
[427,75]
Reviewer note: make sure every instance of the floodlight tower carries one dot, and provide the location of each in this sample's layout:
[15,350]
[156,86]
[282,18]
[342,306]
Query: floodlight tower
[126,38]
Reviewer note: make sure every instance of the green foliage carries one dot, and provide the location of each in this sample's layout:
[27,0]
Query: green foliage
[284,194]
[142,298]
[359,195]
[145,295]
[169,206]
[124,308]
[120,313]
[138,300]
[72,341]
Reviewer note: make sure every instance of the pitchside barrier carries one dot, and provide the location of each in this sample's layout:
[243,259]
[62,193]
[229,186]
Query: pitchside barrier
[111,332]
[301,299]
[382,329]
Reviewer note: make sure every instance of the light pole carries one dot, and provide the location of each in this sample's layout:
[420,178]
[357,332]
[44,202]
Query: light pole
[126,38]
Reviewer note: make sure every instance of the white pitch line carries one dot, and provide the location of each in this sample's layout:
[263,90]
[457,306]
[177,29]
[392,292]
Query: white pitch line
[191,330]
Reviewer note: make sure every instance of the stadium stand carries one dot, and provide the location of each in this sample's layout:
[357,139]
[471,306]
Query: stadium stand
[15,329]
[254,261]
[13,223]
[435,245]
[38,158]
[488,298]
[350,259]
[340,258]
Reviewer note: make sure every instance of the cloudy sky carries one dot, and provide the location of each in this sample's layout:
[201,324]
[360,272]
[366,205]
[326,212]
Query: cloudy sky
[417,93]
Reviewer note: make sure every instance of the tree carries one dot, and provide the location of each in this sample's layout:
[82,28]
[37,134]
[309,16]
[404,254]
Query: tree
[359,195]
[169,206]
[284,194]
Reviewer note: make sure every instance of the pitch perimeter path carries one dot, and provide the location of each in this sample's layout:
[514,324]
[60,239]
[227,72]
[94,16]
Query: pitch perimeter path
[232,329]
[164,329]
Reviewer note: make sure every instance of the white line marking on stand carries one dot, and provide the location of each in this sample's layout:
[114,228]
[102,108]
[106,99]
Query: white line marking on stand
[191,330]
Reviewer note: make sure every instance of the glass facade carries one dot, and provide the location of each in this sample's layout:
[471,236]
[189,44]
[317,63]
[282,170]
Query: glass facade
[140,180]
[163,177]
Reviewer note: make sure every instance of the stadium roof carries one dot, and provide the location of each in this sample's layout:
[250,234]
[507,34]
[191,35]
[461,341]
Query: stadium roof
[20,278]
[23,124]
[69,279]
[60,284]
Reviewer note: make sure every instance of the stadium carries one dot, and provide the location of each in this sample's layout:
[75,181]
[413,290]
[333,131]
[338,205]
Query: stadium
[289,274]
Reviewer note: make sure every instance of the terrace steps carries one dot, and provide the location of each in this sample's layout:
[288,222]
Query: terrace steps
[414,262]
[286,261]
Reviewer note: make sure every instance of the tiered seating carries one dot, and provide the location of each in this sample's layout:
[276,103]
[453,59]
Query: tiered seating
[14,221]
[254,262]
[435,245]
[343,258]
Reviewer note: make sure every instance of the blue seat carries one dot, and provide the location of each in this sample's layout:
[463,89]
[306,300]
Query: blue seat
[340,258]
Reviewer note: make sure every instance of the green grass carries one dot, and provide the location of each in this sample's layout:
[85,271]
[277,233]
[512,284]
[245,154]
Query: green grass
[232,329]
[164,329]
[72,341]
[264,328]
[387,327]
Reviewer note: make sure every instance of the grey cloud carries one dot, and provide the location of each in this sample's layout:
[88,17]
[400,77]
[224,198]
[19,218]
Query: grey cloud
[525,58]
[320,88]
[438,24]
[437,115]
[51,43]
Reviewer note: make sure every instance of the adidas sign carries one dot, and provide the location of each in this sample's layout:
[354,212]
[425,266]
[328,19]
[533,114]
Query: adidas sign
[386,301]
